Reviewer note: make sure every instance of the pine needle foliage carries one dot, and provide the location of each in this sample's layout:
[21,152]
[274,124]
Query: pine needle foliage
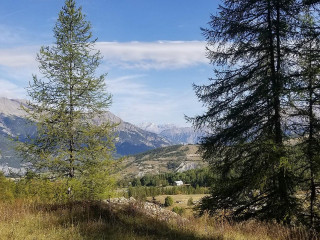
[68,105]
[249,43]
[305,104]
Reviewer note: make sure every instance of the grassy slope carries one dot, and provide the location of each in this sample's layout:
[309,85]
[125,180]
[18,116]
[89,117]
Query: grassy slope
[157,160]
[22,220]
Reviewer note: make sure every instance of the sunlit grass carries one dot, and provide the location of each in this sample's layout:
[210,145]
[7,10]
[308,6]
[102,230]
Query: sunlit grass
[84,220]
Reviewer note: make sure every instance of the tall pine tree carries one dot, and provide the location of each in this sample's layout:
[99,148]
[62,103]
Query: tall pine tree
[305,105]
[68,104]
[249,44]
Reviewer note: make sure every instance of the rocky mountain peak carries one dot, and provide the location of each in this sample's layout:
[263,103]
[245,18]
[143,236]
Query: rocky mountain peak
[174,133]
[12,107]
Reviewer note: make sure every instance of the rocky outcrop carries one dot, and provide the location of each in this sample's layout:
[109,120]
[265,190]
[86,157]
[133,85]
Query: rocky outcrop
[175,134]
[185,166]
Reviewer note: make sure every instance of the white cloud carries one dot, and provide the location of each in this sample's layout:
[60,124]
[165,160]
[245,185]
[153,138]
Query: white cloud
[16,68]
[135,101]
[154,55]
[11,90]
[137,55]
[130,86]
[19,57]
[135,97]
[168,109]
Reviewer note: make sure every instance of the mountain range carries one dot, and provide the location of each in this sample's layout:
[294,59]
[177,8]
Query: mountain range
[173,133]
[131,139]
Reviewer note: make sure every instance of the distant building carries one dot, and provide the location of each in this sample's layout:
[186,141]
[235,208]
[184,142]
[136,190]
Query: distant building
[178,183]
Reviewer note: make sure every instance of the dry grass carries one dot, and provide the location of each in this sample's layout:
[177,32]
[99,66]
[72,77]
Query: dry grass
[249,230]
[83,220]
[180,200]
[22,220]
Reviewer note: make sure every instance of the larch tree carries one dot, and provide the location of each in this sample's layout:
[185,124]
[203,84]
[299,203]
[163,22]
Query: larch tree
[249,42]
[68,102]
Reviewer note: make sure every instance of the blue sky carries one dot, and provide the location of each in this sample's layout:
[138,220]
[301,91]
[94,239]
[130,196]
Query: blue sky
[153,51]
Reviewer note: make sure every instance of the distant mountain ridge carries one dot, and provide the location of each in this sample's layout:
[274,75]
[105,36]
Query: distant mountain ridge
[175,134]
[11,107]
[131,139]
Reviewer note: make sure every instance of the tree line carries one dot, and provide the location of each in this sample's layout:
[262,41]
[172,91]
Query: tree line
[194,177]
[143,192]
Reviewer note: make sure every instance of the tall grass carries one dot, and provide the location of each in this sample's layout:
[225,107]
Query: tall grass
[96,220]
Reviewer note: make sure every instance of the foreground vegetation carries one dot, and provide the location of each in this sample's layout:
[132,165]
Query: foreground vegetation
[94,220]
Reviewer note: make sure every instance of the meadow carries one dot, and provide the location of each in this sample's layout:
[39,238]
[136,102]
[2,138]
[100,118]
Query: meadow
[22,219]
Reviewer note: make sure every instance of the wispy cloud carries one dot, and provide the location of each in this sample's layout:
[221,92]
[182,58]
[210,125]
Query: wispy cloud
[136,101]
[11,90]
[168,109]
[130,86]
[135,96]
[135,55]
[19,56]
[154,55]
[9,35]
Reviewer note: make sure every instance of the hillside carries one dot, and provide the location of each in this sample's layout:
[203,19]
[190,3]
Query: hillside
[177,158]
[130,139]
[153,153]
[12,125]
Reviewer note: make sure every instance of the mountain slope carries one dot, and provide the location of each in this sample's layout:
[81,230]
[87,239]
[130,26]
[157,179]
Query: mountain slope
[131,139]
[177,158]
[175,134]
[12,124]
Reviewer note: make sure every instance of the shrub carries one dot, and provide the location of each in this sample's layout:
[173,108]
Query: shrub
[190,201]
[178,210]
[168,201]
[6,188]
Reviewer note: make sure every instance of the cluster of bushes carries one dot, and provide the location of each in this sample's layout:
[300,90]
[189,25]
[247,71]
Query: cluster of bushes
[143,192]
[168,201]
